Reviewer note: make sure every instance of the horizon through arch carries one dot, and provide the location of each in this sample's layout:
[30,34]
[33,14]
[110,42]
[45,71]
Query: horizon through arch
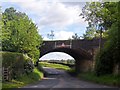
[56,56]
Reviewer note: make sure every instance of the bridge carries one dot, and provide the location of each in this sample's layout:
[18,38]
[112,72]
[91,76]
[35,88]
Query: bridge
[83,51]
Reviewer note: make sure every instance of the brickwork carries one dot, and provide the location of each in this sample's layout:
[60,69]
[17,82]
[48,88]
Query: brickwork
[83,51]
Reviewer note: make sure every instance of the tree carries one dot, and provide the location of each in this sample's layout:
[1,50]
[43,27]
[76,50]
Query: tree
[51,35]
[105,15]
[19,33]
[99,14]
[91,33]
[75,37]
[0,28]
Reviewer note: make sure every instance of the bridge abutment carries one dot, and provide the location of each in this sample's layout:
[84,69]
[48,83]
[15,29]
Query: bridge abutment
[84,65]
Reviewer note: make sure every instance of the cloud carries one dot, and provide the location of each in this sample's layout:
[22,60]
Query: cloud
[61,35]
[56,15]
[56,0]
[52,13]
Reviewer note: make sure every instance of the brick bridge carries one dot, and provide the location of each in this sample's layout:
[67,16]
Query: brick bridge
[83,51]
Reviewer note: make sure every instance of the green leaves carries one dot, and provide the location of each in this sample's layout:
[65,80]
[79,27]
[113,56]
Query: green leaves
[100,13]
[105,15]
[75,37]
[19,33]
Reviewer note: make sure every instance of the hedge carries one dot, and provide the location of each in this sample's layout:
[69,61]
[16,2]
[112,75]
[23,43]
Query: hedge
[17,63]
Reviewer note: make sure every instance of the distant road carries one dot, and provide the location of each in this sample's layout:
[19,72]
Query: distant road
[60,79]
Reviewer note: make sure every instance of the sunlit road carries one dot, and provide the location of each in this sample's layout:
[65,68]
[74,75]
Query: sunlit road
[60,79]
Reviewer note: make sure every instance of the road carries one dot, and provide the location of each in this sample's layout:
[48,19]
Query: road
[60,79]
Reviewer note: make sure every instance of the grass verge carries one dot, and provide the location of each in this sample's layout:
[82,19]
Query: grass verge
[57,66]
[112,80]
[33,77]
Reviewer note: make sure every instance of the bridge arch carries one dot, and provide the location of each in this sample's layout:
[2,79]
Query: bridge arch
[83,51]
[82,58]
[72,52]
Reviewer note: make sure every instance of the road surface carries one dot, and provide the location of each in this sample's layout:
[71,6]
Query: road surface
[60,79]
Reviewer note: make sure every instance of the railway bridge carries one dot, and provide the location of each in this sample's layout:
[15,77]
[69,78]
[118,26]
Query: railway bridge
[83,51]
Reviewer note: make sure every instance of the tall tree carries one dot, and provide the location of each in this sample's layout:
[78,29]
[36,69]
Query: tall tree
[99,15]
[19,33]
[105,15]
[0,28]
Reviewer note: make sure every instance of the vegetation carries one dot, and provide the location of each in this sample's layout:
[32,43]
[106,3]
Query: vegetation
[57,66]
[17,64]
[68,61]
[20,48]
[109,79]
[20,34]
[34,76]
[112,80]
[75,37]
[104,16]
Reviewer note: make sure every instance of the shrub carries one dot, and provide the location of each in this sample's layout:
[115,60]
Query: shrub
[17,63]
[104,62]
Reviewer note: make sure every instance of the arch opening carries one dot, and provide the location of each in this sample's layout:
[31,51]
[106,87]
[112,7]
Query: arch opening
[58,58]
[83,60]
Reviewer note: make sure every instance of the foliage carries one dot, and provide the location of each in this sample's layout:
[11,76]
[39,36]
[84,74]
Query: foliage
[104,64]
[0,28]
[109,57]
[57,66]
[34,76]
[105,79]
[40,68]
[19,33]
[17,63]
[104,15]
[75,37]
[91,33]
[99,15]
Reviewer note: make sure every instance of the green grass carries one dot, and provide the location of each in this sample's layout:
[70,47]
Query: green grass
[33,77]
[112,80]
[57,66]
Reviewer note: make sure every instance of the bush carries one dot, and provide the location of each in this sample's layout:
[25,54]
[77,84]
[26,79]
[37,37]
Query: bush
[21,81]
[104,62]
[17,63]
[104,79]
[40,68]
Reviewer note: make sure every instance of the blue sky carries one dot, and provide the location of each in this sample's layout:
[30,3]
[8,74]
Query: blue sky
[61,17]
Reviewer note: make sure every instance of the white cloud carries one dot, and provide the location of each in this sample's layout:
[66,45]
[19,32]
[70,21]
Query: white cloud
[56,0]
[56,15]
[52,13]
[61,35]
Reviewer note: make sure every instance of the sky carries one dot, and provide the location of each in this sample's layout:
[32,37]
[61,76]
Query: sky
[61,16]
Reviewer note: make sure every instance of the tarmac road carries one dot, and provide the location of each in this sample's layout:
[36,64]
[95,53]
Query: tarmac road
[60,79]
